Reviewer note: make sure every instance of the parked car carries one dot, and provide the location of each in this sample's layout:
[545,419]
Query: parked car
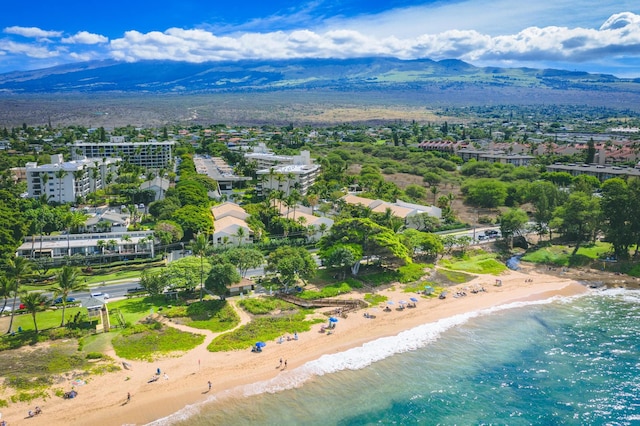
[6,309]
[58,300]
[491,233]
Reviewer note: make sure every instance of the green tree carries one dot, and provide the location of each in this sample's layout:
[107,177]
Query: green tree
[221,276]
[291,264]
[244,258]
[375,240]
[67,282]
[619,214]
[585,183]
[428,243]
[486,193]
[168,232]
[545,197]
[153,282]
[194,220]
[341,256]
[185,272]
[6,290]
[416,192]
[34,302]
[17,269]
[512,223]
[579,218]
[199,247]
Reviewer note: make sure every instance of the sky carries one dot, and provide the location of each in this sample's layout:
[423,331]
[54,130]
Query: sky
[585,35]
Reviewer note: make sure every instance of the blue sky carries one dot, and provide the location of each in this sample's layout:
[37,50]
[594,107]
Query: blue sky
[588,35]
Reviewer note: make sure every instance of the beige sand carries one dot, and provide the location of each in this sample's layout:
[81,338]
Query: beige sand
[102,401]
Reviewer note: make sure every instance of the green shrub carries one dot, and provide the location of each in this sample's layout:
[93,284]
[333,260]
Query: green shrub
[411,272]
[331,290]
[94,355]
[4,403]
[265,305]
[375,299]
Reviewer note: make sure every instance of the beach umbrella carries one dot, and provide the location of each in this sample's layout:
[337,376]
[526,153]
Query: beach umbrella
[260,344]
[428,289]
[402,302]
[413,299]
[333,319]
[389,302]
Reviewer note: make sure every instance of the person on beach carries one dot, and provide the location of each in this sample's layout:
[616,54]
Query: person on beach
[128,397]
[209,383]
[280,362]
[285,363]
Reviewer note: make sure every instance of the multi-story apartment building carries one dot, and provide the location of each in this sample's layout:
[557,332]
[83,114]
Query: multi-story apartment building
[150,155]
[298,173]
[65,182]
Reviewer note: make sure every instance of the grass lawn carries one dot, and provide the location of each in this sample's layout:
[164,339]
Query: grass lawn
[213,315]
[149,342]
[262,329]
[46,319]
[484,263]
[560,255]
[265,305]
[133,310]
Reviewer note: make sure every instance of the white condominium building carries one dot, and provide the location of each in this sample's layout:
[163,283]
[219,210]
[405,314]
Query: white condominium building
[64,182]
[151,154]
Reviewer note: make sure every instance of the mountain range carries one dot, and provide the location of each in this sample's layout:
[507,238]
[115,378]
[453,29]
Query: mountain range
[314,91]
[360,74]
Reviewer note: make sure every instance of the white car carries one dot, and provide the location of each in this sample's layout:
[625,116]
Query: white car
[6,309]
[100,295]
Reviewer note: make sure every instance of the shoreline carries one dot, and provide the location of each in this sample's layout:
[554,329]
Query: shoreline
[102,401]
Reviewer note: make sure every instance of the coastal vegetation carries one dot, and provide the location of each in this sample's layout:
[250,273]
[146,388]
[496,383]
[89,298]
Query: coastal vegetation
[552,218]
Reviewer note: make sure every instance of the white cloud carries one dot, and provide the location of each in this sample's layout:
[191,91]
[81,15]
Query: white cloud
[30,50]
[619,35]
[84,37]
[32,32]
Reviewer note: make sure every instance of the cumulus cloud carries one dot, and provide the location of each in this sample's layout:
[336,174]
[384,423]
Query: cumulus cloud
[84,37]
[619,35]
[32,32]
[26,49]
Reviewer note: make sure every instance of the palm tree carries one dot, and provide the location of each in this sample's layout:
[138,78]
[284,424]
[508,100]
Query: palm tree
[67,282]
[73,221]
[60,175]
[6,287]
[34,302]
[199,247]
[434,190]
[101,245]
[322,228]
[18,267]
[240,233]
[44,177]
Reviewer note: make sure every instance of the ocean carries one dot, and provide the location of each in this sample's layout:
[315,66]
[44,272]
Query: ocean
[565,361]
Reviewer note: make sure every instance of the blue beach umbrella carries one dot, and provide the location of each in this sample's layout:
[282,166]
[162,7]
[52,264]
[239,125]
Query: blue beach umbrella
[260,344]
[413,299]
[389,302]
[333,319]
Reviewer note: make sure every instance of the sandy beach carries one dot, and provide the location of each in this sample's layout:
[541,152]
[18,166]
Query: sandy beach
[103,400]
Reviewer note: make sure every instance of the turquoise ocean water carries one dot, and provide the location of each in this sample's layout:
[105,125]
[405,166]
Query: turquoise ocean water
[568,361]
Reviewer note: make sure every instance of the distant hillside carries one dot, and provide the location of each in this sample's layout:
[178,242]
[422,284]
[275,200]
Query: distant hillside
[362,74]
[311,91]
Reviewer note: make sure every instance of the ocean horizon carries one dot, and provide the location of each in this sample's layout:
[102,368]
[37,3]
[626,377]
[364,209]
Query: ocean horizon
[561,361]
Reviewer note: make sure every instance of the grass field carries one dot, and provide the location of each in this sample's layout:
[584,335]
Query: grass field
[148,342]
[560,255]
[483,263]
